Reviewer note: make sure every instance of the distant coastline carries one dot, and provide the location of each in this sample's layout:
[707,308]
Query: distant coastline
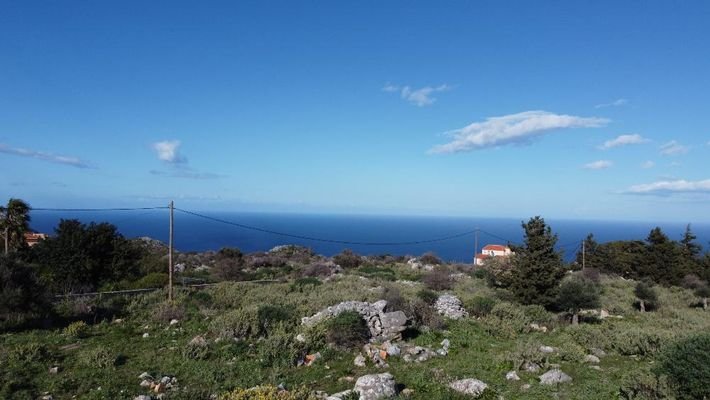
[194,234]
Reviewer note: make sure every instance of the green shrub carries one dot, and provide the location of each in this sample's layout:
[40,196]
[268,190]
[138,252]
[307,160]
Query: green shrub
[641,384]
[166,312]
[152,280]
[506,320]
[687,366]
[196,349]
[347,330]
[571,351]
[77,330]
[280,349]
[438,279]
[239,323]
[304,283]
[347,259]
[98,357]
[590,336]
[22,296]
[480,306]
[424,315]
[430,259]
[525,351]
[268,393]
[648,298]
[29,352]
[639,341]
[428,296]
[270,315]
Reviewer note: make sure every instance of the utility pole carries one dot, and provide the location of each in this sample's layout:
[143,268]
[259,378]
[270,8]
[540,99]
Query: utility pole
[170,255]
[475,246]
[584,243]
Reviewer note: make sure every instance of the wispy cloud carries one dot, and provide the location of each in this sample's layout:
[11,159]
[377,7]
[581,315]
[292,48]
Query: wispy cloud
[49,157]
[667,187]
[648,164]
[420,97]
[673,148]
[600,164]
[169,152]
[615,103]
[186,173]
[511,129]
[623,140]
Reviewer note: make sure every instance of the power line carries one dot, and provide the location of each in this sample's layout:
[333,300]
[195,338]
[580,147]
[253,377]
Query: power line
[324,240]
[496,236]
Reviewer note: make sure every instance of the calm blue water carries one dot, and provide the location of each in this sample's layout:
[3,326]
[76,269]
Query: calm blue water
[196,234]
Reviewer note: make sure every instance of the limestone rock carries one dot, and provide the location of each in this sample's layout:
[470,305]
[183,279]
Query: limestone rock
[553,377]
[359,361]
[590,358]
[469,386]
[450,306]
[382,325]
[512,376]
[547,349]
[376,386]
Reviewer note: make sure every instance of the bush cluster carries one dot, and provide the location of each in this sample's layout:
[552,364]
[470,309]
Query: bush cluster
[687,366]
[347,330]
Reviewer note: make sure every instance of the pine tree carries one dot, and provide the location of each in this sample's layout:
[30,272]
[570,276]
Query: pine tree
[538,267]
[688,246]
[661,261]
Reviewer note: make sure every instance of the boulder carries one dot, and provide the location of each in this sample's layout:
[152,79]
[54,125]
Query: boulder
[469,386]
[512,376]
[450,306]
[553,377]
[547,349]
[592,359]
[376,386]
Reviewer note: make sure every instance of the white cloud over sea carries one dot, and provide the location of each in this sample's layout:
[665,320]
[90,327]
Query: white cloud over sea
[512,129]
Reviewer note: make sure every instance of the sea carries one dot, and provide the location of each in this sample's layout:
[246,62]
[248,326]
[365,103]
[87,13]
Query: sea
[364,234]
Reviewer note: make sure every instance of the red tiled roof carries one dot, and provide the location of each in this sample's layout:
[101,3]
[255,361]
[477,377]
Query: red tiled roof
[482,256]
[495,247]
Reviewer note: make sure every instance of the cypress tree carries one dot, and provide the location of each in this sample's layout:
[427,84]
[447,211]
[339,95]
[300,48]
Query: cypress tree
[538,267]
[661,262]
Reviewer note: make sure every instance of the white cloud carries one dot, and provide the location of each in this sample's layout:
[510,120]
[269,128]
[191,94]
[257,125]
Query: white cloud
[40,155]
[168,151]
[623,140]
[673,148]
[601,164]
[648,164]
[615,103]
[420,97]
[671,186]
[512,129]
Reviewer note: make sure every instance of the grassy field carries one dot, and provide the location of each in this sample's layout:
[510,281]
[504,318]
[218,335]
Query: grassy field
[250,344]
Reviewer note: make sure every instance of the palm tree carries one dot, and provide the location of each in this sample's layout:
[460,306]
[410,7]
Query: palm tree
[14,221]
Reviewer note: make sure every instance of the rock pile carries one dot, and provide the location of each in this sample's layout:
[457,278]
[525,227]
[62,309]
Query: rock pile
[450,306]
[553,377]
[409,353]
[383,325]
[157,386]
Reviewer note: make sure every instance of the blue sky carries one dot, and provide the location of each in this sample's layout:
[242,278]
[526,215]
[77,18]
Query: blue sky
[589,109]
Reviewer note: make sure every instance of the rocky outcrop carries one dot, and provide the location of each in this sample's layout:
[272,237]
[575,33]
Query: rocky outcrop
[450,306]
[469,386]
[383,325]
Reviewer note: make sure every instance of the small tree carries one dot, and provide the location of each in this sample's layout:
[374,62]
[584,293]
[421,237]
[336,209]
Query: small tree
[21,292]
[14,222]
[229,264]
[438,279]
[646,295]
[538,266]
[576,294]
[347,259]
[703,291]
[430,258]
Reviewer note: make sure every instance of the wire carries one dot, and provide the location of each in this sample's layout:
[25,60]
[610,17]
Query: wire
[97,209]
[317,239]
[496,236]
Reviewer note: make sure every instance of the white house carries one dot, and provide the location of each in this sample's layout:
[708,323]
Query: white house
[491,250]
